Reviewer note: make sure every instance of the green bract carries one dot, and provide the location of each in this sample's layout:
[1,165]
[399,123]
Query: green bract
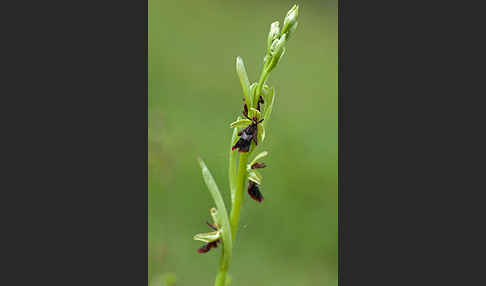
[245,84]
[222,216]
[261,132]
[268,106]
[253,94]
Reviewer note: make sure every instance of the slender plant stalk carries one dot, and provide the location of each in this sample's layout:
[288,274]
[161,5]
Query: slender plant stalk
[223,269]
[259,100]
[240,186]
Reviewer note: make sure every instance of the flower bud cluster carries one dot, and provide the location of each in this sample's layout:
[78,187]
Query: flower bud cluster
[277,38]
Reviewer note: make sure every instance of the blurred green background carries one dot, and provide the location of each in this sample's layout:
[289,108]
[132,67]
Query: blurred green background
[194,93]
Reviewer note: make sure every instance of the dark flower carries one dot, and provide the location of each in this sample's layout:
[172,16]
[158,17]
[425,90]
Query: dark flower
[257,165]
[247,135]
[207,247]
[254,191]
[211,239]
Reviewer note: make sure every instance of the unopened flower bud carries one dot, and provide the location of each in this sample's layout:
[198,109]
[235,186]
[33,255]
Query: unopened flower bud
[276,51]
[273,34]
[279,46]
[290,19]
[292,30]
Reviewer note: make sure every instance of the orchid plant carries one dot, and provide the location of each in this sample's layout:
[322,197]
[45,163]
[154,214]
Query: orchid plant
[248,132]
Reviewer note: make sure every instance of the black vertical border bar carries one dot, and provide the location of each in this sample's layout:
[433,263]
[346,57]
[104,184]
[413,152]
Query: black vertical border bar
[409,128]
[78,175]
[146,144]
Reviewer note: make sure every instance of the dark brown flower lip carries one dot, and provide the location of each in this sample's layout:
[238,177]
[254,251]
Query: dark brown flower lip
[243,144]
[248,134]
[257,165]
[254,191]
[214,244]
[207,247]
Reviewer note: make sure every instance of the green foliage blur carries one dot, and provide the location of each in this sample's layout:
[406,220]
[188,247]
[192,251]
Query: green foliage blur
[194,94]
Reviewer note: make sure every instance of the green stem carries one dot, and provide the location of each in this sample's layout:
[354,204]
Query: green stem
[223,268]
[232,164]
[237,187]
[235,216]
[240,186]
[242,173]
[261,81]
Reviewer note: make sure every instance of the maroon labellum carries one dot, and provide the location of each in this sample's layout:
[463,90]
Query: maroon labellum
[207,247]
[247,135]
[257,165]
[254,191]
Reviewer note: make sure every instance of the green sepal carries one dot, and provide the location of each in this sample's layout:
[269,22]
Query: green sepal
[258,157]
[208,237]
[255,176]
[241,123]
